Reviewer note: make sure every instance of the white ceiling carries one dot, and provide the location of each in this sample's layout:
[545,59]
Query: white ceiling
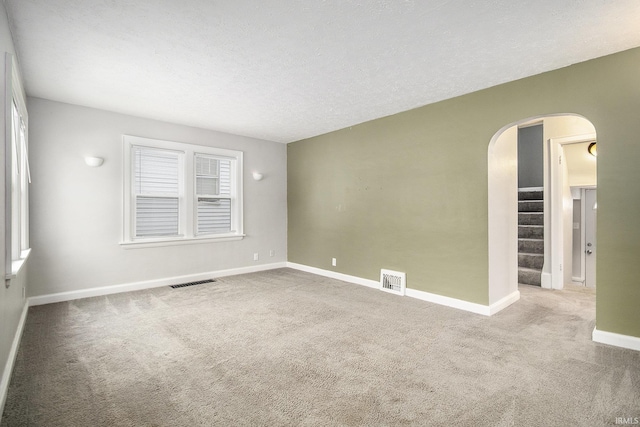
[290,69]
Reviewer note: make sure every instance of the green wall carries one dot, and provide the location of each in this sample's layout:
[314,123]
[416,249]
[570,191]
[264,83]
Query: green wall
[409,192]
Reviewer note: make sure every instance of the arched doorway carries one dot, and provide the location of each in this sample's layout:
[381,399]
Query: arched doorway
[503,204]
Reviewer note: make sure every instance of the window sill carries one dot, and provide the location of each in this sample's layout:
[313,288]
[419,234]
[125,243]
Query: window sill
[17,265]
[155,243]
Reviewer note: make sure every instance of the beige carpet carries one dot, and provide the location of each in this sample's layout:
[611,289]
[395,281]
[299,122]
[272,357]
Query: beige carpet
[287,348]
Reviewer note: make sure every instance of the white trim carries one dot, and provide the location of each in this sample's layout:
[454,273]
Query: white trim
[17,264]
[485,310]
[11,359]
[448,301]
[8,160]
[555,194]
[180,241]
[186,194]
[503,303]
[335,275]
[583,236]
[147,284]
[545,280]
[618,340]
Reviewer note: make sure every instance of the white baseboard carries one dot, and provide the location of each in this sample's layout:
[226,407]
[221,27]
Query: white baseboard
[545,280]
[486,310]
[448,301]
[335,275]
[147,284]
[618,340]
[13,352]
[503,303]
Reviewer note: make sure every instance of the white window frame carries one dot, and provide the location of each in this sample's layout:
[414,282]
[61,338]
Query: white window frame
[187,233]
[17,174]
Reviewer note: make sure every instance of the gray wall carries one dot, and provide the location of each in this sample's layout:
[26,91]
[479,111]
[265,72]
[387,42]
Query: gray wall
[11,301]
[530,157]
[76,211]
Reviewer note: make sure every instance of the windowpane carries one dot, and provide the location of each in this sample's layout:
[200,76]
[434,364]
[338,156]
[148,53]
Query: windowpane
[207,186]
[157,216]
[156,172]
[225,177]
[16,185]
[214,215]
[206,166]
[207,175]
[179,192]
[24,191]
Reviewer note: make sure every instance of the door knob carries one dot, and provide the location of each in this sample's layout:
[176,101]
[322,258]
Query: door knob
[589,251]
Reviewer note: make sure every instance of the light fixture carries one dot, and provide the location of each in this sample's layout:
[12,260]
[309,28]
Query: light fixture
[94,162]
[257,176]
[592,149]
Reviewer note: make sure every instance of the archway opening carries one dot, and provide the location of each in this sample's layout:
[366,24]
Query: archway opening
[559,130]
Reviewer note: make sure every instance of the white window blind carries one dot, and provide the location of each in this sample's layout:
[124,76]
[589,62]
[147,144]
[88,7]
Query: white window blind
[213,195]
[156,186]
[175,193]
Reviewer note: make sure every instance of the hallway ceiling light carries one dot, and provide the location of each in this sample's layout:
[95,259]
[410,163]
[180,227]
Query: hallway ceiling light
[592,149]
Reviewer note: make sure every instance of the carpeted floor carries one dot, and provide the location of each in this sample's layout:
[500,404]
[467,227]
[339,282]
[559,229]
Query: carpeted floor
[287,348]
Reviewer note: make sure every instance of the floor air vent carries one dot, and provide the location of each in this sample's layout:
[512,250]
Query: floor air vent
[393,281]
[184,285]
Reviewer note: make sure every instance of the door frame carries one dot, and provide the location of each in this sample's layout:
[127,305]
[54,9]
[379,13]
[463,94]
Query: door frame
[554,186]
[580,280]
[584,235]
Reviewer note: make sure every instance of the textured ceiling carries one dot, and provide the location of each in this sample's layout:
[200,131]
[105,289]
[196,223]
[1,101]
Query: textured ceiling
[291,69]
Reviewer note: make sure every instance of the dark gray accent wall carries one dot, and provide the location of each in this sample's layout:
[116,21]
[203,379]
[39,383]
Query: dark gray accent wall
[530,157]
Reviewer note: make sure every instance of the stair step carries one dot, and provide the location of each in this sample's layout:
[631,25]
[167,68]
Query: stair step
[533,261]
[531,218]
[528,276]
[530,206]
[531,246]
[531,231]
[530,195]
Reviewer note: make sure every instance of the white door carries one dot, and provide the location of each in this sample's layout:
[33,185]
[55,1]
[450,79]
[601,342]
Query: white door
[590,215]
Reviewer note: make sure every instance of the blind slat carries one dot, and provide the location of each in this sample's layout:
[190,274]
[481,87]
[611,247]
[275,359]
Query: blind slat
[213,216]
[156,171]
[157,216]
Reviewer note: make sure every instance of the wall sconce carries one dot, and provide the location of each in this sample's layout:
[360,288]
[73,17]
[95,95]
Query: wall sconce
[257,176]
[94,162]
[593,149]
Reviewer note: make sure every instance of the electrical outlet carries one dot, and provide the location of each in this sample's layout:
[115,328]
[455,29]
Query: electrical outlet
[272,253]
[334,262]
[256,256]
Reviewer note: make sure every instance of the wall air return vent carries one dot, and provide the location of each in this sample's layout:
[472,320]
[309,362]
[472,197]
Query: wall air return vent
[393,281]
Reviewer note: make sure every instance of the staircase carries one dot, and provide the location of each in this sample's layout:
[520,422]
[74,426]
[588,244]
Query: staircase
[530,237]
